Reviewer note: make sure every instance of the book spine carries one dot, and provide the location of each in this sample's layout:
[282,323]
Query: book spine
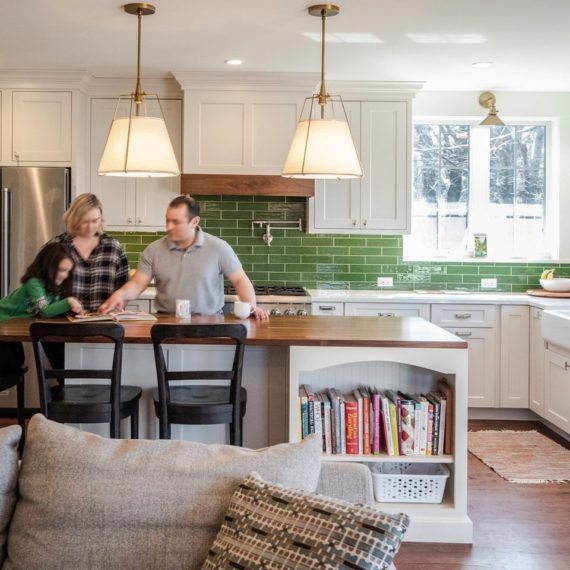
[335,418]
[317,415]
[442,425]
[351,422]
[407,428]
[386,424]
[299,420]
[377,422]
[304,414]
[366,447]
[342,426]
[311,409]
[424,428]
[429,447]
[394,427]
[358,398]
[327,423]
[417,427]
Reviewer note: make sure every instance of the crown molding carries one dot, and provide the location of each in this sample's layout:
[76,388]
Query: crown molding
[376,90]
[163,85]
[43,79]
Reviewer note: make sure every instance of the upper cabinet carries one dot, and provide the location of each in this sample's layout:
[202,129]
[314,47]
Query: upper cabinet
[236,132]
[133,203]
[380,201]
[36,127]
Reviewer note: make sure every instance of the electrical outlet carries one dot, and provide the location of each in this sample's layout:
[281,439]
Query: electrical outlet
[488,283]
[385,282]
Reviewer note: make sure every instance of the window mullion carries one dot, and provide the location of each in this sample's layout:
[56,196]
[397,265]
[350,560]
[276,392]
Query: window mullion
[479,173]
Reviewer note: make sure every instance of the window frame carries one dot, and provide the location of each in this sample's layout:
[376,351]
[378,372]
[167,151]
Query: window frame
[479,184]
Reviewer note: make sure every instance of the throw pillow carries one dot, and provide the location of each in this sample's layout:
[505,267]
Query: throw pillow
[9,439]
[268,526]
[91,502]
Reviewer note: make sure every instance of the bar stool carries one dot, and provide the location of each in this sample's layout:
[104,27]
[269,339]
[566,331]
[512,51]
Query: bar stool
[85,403]
[200,404]
[9,380]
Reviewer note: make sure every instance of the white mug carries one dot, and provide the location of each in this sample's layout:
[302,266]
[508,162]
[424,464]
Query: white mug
[183,308]
[242,310]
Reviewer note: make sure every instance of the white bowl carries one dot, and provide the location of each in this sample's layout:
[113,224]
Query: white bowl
[557,285]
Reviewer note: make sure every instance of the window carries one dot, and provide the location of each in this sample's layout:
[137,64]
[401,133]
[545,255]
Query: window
[471,179]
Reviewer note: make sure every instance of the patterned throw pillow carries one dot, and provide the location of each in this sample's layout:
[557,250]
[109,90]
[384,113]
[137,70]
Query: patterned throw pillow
[271,527]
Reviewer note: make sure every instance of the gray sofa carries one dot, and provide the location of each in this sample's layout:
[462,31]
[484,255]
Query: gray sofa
[82,501]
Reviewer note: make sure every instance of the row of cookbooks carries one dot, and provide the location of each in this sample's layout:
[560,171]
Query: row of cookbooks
[369,421]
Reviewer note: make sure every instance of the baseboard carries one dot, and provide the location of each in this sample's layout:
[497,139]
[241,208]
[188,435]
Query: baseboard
[519,414]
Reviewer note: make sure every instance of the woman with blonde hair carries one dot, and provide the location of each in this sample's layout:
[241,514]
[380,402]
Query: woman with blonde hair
[100,263]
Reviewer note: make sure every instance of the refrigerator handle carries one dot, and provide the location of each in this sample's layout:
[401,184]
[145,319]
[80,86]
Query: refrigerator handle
[5,252]
[67,192]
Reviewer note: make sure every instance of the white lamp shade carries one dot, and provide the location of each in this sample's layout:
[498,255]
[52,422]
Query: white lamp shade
[322,148]
[144,152]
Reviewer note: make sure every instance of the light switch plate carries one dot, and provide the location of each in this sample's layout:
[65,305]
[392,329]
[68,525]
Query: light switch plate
[385,282]
[488,283]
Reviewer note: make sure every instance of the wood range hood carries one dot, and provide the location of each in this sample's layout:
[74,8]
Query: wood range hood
[245,185]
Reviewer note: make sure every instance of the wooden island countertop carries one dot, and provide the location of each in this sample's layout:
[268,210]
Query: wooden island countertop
[405,332]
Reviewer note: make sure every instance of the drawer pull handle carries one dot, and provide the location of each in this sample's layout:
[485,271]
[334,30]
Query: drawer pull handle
[463,333]
[386,314]
[327,308]
[566,365]
[463,315]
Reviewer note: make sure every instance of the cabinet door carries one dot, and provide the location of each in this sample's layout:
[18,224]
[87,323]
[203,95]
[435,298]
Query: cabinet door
[482,375]
[557,389]
[154,194]
[386,149]
[536,372]
[337,202]
[514,362]
[386,310]
[236,132]
[41,126]
[117,194]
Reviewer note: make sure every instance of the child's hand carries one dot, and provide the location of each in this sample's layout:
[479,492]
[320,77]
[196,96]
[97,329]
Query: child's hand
[76,306]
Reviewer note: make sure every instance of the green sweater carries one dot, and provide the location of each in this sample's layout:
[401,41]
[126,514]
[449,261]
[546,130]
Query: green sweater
[32,300]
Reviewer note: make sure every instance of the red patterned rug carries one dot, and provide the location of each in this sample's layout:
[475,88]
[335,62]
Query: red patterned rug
[521,456]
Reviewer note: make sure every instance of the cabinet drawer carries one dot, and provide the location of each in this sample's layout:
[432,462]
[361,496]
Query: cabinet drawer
[138,305]
[463,315]
[330,309]
[386,310]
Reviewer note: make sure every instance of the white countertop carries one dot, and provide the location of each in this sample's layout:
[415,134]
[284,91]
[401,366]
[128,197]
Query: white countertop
[383,296]
[342,296]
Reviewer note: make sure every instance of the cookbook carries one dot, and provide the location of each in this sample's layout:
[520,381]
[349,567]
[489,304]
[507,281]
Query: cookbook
[116,316]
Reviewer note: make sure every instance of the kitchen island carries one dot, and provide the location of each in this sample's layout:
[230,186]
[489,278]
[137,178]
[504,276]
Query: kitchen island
[408,353]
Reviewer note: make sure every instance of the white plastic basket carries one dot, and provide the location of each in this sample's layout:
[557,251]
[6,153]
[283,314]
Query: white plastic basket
[409,482]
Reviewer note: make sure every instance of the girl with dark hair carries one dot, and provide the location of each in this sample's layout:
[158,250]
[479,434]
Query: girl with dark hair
[44,292]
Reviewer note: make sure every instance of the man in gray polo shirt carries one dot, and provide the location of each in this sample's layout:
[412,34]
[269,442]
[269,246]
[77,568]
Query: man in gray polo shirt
[187,263]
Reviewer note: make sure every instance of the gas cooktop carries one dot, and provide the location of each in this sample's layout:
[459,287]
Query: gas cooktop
[273,290]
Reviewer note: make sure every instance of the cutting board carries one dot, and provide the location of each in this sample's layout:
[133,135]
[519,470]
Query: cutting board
[543,293]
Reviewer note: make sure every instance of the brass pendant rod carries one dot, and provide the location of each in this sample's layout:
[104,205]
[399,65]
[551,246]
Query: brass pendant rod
[138,92]
[323,92]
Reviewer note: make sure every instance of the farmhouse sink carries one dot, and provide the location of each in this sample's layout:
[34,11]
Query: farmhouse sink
[555,327]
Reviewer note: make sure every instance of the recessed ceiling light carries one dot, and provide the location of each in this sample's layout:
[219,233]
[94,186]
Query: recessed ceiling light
[233,61]
[482,64]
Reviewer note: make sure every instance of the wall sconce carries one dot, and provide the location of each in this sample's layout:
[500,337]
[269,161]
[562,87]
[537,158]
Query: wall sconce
[487,100]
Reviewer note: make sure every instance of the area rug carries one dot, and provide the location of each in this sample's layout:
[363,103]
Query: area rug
[521,456]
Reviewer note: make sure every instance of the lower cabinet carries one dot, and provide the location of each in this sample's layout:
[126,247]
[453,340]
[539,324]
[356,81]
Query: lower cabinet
[387,310]
[327,309]
[483,365]
[557,388]
[536,361]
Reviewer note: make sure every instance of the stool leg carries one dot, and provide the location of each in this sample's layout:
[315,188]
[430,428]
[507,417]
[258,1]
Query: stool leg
[21,408]
[135,424]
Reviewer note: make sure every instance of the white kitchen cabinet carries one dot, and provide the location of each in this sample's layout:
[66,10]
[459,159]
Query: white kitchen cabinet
[557,388]
[41,126]
[133,203]
[451,315]
[536,372]
[327,309]
[514,376]
[380,201]
[387,310]
[238,132]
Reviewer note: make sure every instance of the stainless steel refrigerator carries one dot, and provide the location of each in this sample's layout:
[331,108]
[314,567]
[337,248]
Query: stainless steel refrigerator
[31,213]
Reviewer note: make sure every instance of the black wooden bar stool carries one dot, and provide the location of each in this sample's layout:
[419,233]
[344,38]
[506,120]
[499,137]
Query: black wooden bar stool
[85,403]
[11,379]
[200,404]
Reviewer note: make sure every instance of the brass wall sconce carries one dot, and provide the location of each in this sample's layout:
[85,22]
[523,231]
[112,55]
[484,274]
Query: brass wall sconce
[487,100]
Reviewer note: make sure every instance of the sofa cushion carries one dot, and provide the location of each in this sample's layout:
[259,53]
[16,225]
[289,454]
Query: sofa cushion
[91,502]
[9,439]
[272,527]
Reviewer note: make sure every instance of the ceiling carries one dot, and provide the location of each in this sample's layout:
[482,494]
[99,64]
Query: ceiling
[435,41]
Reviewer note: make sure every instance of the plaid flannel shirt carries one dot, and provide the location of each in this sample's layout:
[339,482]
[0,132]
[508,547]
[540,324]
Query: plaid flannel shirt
[96,278]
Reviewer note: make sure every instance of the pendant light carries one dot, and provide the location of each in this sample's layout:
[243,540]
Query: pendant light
[487,100]
[138,145]
[322,145]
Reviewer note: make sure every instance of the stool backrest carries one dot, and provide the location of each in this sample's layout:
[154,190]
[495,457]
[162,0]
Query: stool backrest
[42,332]
[162,333]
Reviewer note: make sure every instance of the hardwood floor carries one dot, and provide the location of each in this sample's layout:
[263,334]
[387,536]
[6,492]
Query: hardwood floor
[516,526]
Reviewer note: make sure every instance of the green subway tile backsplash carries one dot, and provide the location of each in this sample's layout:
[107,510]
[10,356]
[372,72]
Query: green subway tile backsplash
[331,261]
